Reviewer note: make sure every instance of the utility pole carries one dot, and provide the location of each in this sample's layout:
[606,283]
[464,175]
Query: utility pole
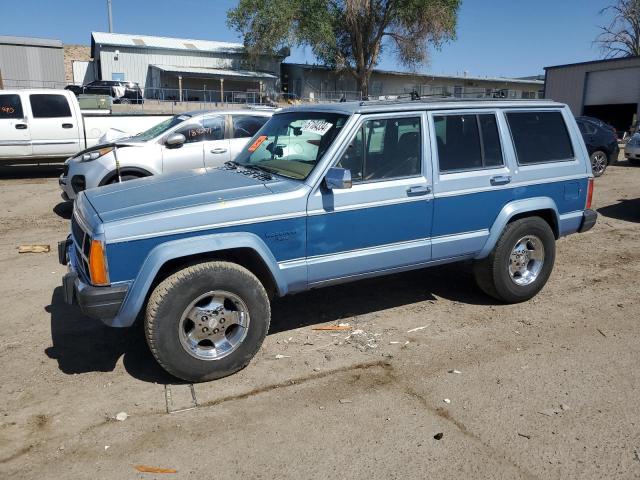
[110,16]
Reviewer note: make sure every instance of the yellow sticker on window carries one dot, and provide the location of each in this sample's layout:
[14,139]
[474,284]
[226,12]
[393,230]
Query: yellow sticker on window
[254,146]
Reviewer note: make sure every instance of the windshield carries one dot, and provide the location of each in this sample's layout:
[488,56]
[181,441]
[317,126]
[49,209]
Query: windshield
[290,144]
[162,127]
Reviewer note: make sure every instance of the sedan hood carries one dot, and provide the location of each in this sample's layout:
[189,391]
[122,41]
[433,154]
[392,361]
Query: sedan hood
[152,195]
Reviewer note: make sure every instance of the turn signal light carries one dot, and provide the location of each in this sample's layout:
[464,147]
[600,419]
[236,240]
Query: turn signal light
[98,264]
[589,193]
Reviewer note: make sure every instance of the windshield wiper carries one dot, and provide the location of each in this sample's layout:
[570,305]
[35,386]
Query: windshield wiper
[265,171]
[231,164]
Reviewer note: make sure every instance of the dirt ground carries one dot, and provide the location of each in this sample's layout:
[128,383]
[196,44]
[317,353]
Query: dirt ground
[545,389]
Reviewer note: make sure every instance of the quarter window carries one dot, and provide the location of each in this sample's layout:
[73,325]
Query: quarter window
[49,106]
[385,149]
[540,137]
[10,106]
[467,142]
[247,125]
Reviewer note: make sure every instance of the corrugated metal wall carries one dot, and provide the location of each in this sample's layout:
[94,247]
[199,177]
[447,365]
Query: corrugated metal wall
[25,66]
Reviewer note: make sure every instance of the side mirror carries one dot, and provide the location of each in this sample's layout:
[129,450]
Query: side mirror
[175,140]
[338,178]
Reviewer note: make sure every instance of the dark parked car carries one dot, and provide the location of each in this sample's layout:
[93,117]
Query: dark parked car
[601,141]
[122,92]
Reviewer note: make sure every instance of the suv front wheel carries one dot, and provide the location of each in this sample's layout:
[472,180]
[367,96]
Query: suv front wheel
[520,263]
[207,321]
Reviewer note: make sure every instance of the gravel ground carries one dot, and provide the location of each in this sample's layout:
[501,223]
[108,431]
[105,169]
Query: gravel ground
[545,389]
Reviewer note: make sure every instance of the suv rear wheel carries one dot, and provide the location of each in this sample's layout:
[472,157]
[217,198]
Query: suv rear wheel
[520,263]
[207,321]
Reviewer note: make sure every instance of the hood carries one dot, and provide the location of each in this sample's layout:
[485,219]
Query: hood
[160,193]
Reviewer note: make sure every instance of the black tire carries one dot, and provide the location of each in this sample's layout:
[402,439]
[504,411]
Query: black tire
[125,177]
[492,272]
[634,161]
[599,161]
[174,295]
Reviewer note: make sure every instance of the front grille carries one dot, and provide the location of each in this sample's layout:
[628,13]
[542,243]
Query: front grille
[82,242]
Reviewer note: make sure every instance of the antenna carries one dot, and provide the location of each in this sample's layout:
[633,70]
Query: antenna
[110,16]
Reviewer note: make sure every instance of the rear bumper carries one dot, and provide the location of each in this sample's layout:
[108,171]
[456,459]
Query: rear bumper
[101,303]
[589,219]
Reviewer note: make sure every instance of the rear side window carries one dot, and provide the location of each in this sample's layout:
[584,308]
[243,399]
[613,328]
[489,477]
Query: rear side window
[467,142]
[586,128]
[213,127]
[49,106]
[540,137]
[10,106]
[247,125]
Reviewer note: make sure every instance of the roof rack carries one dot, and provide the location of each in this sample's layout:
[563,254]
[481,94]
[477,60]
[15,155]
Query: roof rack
[440,98]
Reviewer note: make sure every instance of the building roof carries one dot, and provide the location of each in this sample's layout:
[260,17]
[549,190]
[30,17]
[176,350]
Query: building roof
[593,62]
[30,41]
[166,43]
[375,106]
[430,75]
[214,72]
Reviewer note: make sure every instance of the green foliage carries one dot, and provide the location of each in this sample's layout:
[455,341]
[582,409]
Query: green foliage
[347,34]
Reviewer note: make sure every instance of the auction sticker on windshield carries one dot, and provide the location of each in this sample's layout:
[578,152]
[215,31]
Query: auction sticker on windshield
[316,126]
[257,143]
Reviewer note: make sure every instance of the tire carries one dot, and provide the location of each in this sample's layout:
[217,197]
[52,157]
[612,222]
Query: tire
[599,162]
[493,273]
[634,161]
[170,309]
[125,177]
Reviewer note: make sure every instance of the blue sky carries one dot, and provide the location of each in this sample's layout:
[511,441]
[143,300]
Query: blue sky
[495,37]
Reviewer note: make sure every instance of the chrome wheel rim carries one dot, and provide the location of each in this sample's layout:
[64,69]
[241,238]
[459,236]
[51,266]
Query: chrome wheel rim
[526,260]
[214,325]
[598,163]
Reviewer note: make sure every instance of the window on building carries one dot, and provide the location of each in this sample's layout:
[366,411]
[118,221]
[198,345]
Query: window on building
[540,137]
[385,149]
[49,106]
[467,142]
[247,125]
[457,92]
[10,106]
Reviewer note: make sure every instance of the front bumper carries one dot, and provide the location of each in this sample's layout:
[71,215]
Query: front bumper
[101,303]
[589,219]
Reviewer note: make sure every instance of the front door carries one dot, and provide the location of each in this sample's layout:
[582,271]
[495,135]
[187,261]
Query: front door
[383,222]
[15,136]
[189,155]
[54,130]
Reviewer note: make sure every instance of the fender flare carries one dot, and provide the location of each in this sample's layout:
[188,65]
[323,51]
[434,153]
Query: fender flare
[161,254]
[109,176]
[509,211]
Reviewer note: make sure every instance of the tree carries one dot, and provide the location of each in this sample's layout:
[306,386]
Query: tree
[621,37]
[348,35]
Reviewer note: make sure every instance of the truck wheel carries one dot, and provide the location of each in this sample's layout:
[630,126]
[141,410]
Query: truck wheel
[520,263]
[207,321]
[599,163]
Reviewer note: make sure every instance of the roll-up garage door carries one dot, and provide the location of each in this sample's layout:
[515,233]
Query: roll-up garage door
[613,86]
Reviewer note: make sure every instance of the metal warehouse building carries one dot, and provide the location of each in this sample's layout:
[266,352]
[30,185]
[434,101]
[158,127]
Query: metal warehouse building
[31,63]
[606,89]
[184,69]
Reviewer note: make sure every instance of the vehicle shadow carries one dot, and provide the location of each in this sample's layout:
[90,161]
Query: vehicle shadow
[627,210]
[453,282]
[46,170]
[82,345]
[64,210]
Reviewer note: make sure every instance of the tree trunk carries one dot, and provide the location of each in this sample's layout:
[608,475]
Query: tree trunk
[363,84]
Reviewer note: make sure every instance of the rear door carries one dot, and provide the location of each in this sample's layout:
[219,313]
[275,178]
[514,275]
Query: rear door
[54,130]
[472,179]
[243,128]
[216,142]
[189,155]
[15,136]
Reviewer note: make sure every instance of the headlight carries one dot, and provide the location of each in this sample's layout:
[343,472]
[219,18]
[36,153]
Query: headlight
[90,156]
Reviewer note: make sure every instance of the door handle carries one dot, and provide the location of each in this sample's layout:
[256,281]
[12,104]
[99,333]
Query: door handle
[67,125]
[219,150]
[21,126]
[418,190]
[500,180]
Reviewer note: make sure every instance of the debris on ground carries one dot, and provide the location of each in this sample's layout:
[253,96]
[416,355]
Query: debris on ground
[457,372]
[438,436]
[447,401]
[528,437]
[34,249]
[333,328]
[417,329]
[601,333]
[564,406]
[362,340]
[550,412]
[122,416]
[279,356]
[147,469]
[344,400]
[107,447]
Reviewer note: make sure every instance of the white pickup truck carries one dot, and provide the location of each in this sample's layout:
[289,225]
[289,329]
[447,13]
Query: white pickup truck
[48,125]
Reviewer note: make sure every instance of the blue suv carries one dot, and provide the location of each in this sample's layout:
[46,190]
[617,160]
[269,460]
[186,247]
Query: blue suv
[321,195]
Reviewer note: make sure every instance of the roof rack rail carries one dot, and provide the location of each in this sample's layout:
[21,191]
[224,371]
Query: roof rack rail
[440,98]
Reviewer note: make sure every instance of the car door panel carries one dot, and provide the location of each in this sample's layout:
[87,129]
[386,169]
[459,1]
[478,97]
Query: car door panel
[216,143]
[191,154]
[15,135]
[54,130]
[376,225]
